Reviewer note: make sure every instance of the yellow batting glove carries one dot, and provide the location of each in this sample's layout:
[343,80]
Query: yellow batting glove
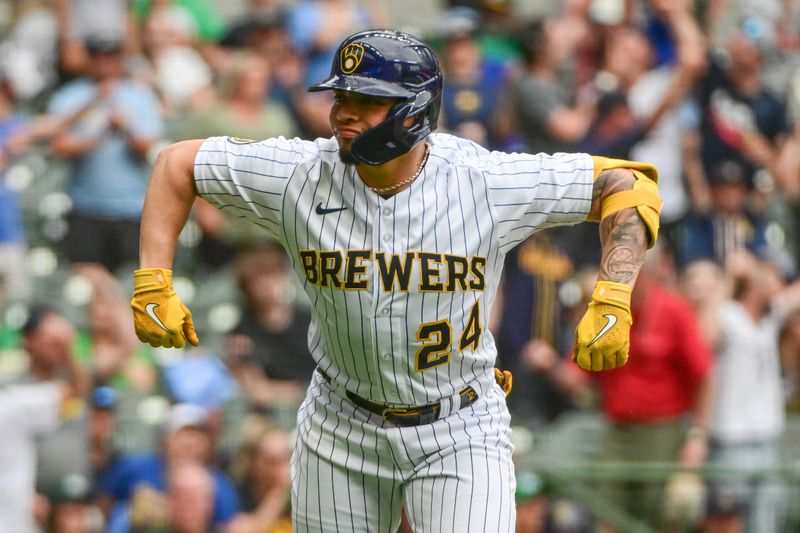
[602,338]
[159,316]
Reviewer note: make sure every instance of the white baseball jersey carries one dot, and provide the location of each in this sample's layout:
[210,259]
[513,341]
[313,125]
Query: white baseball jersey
[401,291]
[401,287]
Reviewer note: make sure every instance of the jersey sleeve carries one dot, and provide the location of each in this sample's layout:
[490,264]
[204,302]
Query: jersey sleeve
[532,192]
[248,179]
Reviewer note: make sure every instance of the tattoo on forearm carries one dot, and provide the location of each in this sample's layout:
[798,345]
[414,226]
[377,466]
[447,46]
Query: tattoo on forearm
[622,234]
[624,245]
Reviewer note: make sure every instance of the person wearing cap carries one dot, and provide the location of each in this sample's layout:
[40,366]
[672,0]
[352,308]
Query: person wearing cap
[730,226]
[134,487]
[102,424]
[115,122]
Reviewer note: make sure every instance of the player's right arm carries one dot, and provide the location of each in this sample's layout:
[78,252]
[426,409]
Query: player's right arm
[159,317]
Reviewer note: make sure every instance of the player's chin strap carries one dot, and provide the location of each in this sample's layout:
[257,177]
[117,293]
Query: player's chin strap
[504,379]
[643,196]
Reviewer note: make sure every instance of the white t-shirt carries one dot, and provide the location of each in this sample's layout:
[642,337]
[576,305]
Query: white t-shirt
[748,401]
[25,412]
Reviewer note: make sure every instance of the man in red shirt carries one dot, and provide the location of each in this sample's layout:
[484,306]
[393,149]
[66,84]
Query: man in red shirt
[657,405]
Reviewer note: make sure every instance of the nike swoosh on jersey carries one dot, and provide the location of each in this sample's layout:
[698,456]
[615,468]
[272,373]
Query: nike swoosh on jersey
[327,210]
[150,310]
[612,319]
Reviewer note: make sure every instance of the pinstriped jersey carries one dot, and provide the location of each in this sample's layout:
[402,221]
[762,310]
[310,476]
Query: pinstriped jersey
[401,287]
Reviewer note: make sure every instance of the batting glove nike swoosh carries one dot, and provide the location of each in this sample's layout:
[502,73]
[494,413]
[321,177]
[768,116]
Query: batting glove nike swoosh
[159,316]
[602,338]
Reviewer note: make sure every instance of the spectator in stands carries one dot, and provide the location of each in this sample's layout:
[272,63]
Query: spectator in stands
[33,408]
[259,16]
[79,21]
[102,426]
[657,405]
[137,484]
[731,226]
[642,113]
[72,508]
[743,121]
[243,110]
[704,284]
[190,500]
[267,350]
[316,28]
[203,15]
[471,84]
[552,113]
[171,61]
[48,340]
[262,470]
[748,411]
[107,145]
[26,411]
[267,36]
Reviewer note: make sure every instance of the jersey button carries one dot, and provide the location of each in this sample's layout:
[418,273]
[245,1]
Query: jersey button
[387,238]
[387,211]
[385,311]
[387,356]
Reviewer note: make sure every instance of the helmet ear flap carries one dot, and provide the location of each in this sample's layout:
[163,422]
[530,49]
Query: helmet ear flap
[420,102]
[392,138]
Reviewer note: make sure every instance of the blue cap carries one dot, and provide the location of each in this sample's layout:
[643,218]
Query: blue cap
[104,397]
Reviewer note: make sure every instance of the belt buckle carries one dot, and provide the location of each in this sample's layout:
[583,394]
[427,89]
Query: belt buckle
[412,416]
[389,413]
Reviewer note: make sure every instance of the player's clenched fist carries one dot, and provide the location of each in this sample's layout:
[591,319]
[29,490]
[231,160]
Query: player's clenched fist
[602,338]
[159,316]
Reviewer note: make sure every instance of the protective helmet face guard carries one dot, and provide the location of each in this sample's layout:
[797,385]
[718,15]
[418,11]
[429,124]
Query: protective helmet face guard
[389,64]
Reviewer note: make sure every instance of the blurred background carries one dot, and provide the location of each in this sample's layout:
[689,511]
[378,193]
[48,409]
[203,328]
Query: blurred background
[699,432]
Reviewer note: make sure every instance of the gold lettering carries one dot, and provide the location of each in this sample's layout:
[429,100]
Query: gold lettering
[394,271]
[308,258]
[330,263]
[429,271]
[355,276]
[477,267]
[456,272]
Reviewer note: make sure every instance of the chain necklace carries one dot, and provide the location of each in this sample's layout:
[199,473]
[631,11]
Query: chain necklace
[390,188]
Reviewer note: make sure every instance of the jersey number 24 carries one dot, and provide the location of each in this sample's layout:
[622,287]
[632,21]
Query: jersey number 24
[437,337]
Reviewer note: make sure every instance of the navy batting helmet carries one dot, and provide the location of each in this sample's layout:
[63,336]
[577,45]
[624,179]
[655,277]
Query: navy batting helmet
[389,64]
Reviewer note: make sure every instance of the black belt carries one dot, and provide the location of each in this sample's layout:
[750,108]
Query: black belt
[407,416]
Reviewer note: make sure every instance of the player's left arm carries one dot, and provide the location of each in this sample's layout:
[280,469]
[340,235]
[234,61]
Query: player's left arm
[625,200]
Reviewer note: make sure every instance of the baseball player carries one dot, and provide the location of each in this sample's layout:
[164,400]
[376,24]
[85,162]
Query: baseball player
[398,235]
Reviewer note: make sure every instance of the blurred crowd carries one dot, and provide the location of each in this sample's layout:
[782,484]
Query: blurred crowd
[101,433]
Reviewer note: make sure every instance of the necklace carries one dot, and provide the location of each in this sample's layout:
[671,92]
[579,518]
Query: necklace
[390,188]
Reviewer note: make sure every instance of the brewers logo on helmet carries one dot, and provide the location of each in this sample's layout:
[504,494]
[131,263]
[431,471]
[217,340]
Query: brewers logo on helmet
[350,58]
